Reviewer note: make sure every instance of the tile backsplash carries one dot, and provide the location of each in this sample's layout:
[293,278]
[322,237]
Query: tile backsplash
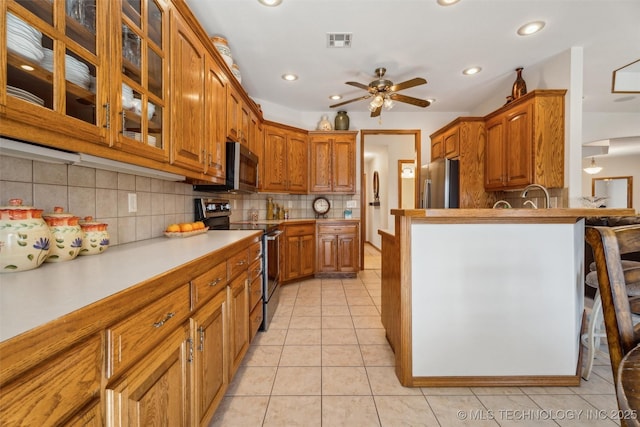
[104,195]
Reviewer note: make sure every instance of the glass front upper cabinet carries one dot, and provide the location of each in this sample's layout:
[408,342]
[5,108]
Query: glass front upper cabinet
[141,117]
[54,63]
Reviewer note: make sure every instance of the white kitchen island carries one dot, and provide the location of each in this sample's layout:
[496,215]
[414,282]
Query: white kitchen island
[481,297]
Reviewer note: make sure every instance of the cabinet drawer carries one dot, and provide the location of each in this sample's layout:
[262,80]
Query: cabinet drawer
[237,263]
[48,394]
[300,230]
[255,291]
[133,336]
[255,251]
[209,284]
[255,321]
[256,269]
[338,229]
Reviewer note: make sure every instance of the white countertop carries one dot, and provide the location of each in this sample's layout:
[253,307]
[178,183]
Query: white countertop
[35,297]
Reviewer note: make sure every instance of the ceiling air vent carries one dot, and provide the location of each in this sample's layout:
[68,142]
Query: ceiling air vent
[339,39]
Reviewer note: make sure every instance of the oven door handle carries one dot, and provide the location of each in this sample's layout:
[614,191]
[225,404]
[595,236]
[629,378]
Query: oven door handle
[274,235]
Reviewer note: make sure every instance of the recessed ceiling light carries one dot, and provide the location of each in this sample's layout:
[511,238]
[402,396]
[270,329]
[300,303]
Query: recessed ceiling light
[447,2]
[530,28]
[335,97]
[270,2]
[471,71]
[289,77]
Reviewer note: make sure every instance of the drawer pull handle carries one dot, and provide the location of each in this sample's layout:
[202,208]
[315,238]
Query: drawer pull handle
[163,321]
[241,262]
[215,282]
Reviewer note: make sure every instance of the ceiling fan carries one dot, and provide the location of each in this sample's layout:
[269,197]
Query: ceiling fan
[384,93]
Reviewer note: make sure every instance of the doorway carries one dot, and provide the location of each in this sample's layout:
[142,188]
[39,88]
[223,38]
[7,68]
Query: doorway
[380,151]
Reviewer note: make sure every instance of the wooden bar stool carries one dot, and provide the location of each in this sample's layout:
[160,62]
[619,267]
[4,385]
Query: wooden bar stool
[609,244]
[595,328]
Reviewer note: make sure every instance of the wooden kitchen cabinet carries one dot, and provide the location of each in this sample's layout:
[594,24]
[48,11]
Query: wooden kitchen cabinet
[188,97]
[238,117]
[238,320]
[437,147]
[141,53]
[332,162]
[299,251]
[215,118]
[69,104]
[525,142]
[285,159]
[157,390]
[211,356]
[464,139]
[53,392]
[338,248]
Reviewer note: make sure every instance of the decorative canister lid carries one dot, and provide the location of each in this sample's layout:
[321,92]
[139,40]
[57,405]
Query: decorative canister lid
[59,217]
[15,210]
[88,224]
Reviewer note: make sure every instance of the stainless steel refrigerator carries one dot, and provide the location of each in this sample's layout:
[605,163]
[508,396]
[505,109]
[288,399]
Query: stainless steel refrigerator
[441,185]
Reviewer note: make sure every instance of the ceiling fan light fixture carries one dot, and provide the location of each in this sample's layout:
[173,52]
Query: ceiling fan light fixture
[530,28]
[270,3]
[593,168]
[376,102]
[388,103]
[471,71]
[289,77]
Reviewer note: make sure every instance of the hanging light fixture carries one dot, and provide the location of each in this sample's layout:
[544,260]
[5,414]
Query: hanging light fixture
[593,168]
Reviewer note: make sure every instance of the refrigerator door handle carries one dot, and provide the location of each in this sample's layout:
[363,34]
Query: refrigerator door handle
[427,186]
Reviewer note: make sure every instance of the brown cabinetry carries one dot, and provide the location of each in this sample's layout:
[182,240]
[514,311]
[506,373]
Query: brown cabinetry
[159,353]
[188,97]
[464,139]
[299,251]
[53,391]
[332,162]
[338,248]
[525,142]
[238,321]
[238,117]
[211,356]
[156,390]
[285,153]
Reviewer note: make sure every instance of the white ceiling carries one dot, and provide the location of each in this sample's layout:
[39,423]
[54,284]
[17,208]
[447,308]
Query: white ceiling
[419,38]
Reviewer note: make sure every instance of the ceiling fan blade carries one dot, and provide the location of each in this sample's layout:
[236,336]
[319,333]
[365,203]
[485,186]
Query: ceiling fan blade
[351,100]
[376,112]
[410,100]
[358,85]
[417,81]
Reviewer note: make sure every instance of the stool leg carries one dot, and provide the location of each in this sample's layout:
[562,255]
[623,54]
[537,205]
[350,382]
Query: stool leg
[592,338]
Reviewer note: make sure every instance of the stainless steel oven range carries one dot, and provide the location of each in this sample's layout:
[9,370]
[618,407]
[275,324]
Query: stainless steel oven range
[215,214]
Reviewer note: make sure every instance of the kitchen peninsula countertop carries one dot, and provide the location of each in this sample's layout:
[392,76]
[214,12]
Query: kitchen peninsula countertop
[32,298]
[470,297]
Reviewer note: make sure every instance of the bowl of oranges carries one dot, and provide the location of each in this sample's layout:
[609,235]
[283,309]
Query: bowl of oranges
[185,229]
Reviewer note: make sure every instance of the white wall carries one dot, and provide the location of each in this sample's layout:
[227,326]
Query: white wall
[613,167]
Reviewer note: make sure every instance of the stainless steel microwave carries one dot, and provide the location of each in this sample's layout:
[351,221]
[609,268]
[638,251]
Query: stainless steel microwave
[241,171]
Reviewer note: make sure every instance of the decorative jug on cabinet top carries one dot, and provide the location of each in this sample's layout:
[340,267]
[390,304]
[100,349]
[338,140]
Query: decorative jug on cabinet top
[342,121]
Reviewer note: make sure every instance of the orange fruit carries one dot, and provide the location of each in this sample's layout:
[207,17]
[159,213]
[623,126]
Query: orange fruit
[198,225]
[173,228]
[186,226]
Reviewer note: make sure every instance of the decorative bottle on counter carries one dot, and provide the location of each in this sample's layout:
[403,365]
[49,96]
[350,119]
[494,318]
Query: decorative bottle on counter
[342,121]
[519,86]
[269,207]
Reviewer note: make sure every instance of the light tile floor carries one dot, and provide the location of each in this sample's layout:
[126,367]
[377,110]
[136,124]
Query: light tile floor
[325,362]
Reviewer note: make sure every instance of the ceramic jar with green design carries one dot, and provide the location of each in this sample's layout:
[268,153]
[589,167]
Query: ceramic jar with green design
[66,234]
[25,239]
[96,237]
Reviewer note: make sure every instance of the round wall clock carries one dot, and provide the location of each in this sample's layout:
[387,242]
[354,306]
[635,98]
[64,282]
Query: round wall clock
[321,206]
